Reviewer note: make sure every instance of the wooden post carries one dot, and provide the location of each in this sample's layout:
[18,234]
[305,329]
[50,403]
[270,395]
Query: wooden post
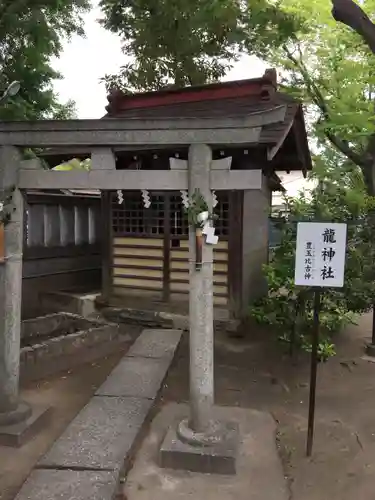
[313,371]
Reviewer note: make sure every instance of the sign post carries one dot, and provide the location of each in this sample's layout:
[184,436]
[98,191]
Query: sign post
[320,263]
[313,371]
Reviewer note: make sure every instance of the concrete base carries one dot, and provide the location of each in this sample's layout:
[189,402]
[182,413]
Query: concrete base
[76,303]
[217,458]
[259,471]
[19,414]
[18,434]
[369,359]
[370,350]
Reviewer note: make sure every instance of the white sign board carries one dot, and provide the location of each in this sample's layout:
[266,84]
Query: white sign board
[320,254]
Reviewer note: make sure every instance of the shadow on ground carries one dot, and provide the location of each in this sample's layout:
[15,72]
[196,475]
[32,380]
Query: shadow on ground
[254,373]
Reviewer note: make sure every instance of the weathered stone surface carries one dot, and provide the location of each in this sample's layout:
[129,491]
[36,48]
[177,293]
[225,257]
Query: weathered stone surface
[36,363]
[68,485]
[156,343]
[10,284]
[101,435]
[219,458]
[81,304]
[259,471]
[201,307]
[18,434]
[55,324]
[164,319]
[52,355]
[370,349]
[141,377]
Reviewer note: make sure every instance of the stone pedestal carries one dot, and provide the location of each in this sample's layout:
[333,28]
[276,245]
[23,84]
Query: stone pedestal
[15,415]
[210,453]
[18,433]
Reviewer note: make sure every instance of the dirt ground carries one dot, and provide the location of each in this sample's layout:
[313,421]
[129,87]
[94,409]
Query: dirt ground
[253,373]
[250,373]
[66,394]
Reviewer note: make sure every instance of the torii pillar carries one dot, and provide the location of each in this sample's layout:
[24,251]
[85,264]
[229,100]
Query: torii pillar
[18,421]
[201,443]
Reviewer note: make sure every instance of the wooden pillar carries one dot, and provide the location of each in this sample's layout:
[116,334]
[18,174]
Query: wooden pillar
[104,159]
[106,245]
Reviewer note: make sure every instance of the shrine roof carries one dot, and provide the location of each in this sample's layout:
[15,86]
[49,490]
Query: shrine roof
[285,140]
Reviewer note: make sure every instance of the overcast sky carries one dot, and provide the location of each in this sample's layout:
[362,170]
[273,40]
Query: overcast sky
[85,60]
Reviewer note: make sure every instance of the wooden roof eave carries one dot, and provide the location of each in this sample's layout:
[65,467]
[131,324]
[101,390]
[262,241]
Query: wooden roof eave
[275,183]
[273,150]
[296,126]
[301,138]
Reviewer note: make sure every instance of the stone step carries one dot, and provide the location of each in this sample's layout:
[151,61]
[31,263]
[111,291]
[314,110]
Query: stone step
[164,319]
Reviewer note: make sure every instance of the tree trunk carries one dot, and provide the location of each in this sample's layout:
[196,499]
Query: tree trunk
[352,15]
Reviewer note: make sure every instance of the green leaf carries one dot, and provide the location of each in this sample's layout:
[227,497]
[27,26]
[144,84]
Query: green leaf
[31,34]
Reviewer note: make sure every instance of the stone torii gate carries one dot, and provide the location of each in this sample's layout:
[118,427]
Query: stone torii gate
[103,138]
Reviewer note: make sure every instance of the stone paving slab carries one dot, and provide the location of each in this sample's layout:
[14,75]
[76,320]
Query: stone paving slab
[86,461]
[156,343]
[100,436]
[68,485]
[139,377]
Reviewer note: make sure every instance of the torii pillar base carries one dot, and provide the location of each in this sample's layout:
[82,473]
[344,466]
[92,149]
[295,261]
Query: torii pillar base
[212,452]
[30,422]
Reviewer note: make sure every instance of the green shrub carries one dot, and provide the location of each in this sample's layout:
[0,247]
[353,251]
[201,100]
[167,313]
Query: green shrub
[339,197]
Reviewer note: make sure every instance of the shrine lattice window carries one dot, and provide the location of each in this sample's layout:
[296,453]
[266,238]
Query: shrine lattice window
[131,218]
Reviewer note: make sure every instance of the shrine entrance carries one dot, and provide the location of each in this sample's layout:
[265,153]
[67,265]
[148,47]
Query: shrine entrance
[150,253]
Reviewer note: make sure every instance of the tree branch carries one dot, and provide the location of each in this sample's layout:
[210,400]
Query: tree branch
[351,14]
[319,101]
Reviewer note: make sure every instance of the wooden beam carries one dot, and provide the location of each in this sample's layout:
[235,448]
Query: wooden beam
[155,180]
[222,180]
[242,130]
[251,120]
[161,180]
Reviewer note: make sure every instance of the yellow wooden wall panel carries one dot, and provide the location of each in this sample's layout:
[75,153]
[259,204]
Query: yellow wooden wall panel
[144,242]
[182,287]
[126,255]
[133,292]
[130,261]
[175,275]
[138,282]
[220,301]
[177,265]
[153,273]
[221,266]
[138,252]
[177,253]
[184,265]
